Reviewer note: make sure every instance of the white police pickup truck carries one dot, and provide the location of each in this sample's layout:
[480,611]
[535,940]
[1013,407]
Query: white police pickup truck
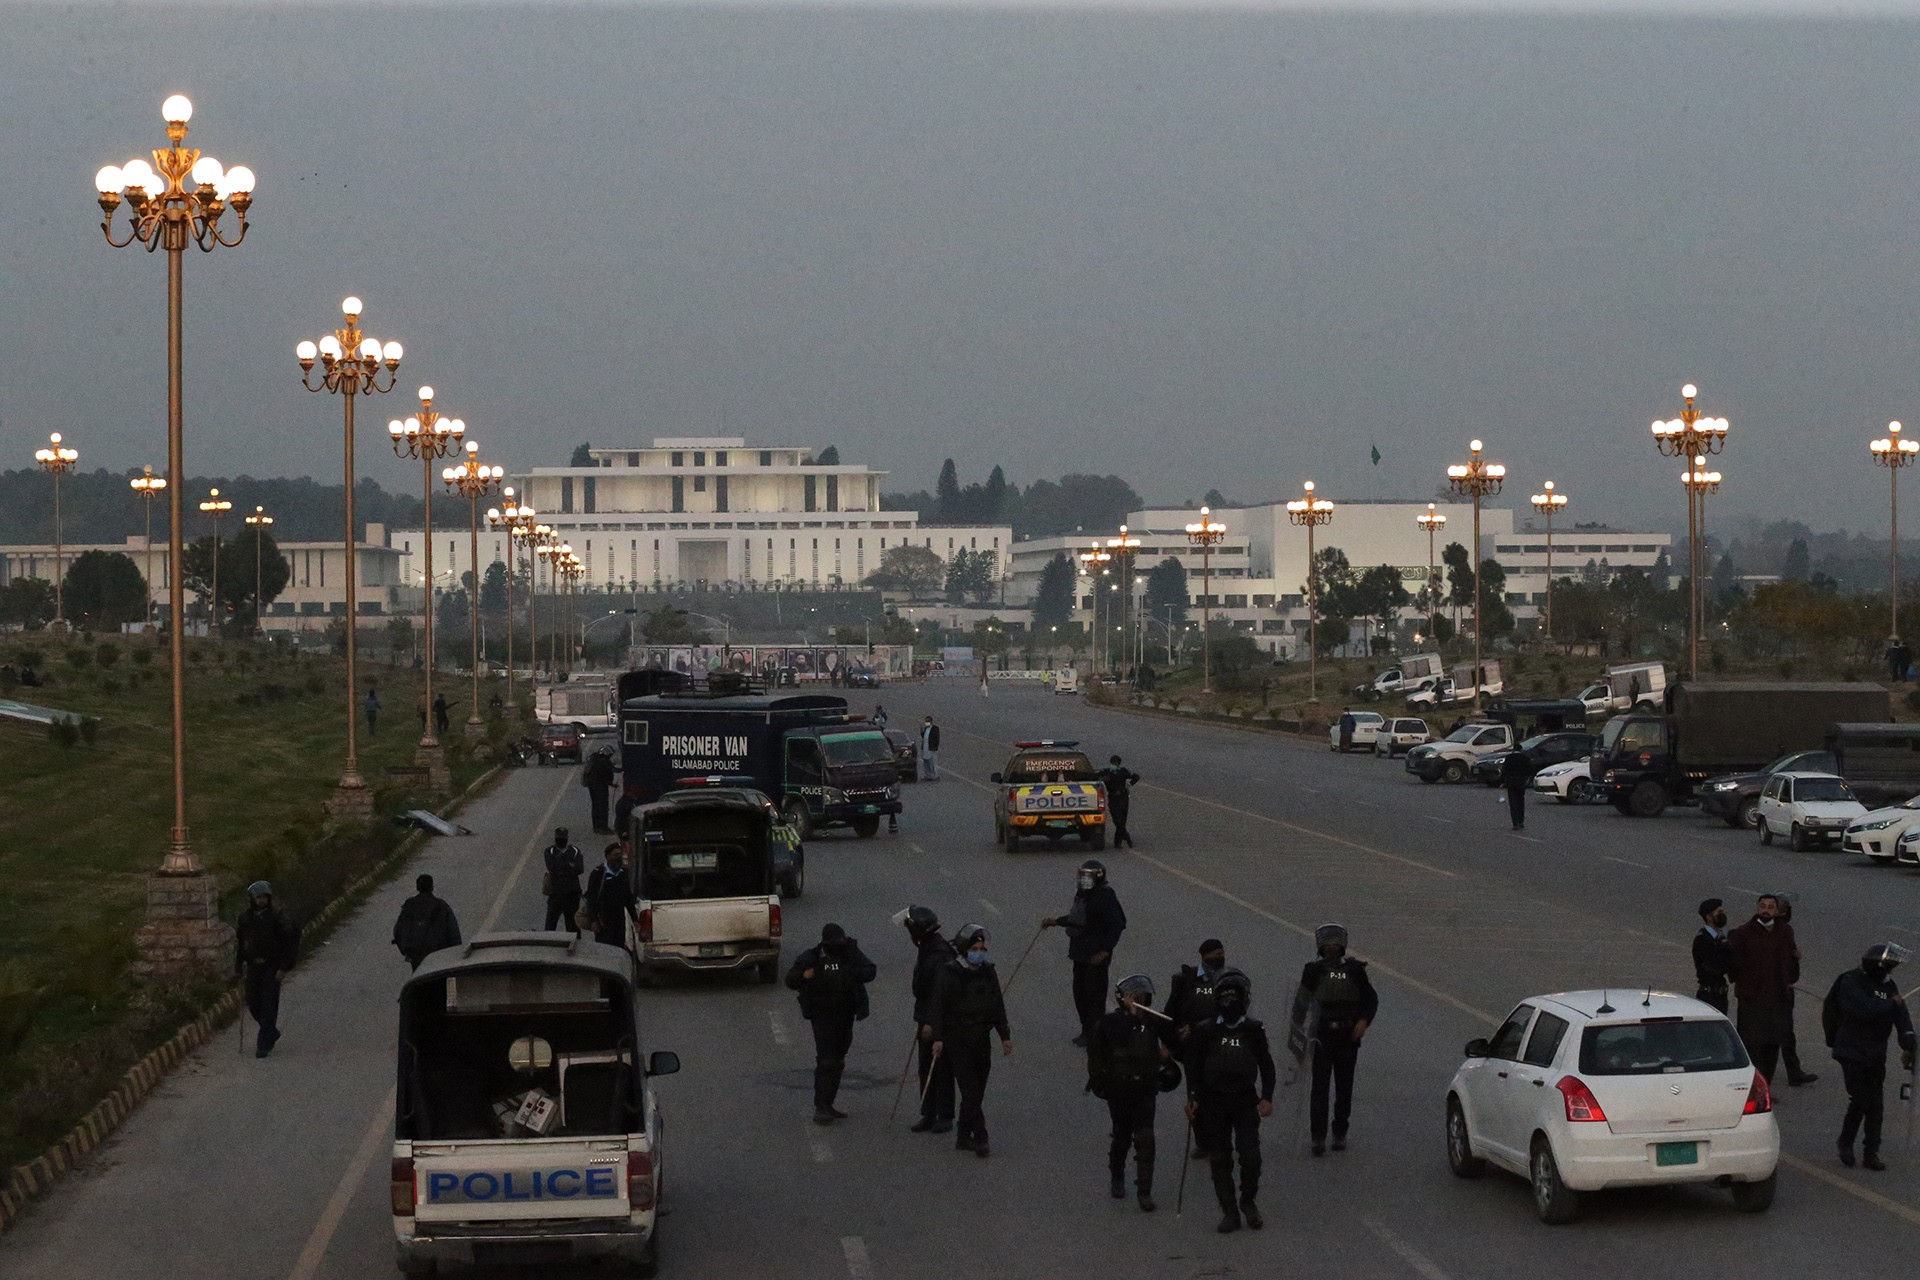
[526,1131]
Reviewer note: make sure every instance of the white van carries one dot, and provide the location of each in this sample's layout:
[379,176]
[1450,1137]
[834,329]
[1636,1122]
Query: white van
[586,704]
[1066,680]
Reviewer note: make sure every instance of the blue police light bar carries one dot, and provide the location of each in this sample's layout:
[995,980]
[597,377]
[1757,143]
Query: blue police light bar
[1050,742]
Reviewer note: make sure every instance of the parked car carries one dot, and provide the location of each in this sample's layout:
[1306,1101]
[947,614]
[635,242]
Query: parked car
[1878,832]
[1570,782]
[1906,850]
[906,753]
[1453,755]
[1807,808]
[1735,797]
[859,678]
[1366,725]
[1400,735]
[1577,1095]
[1541,749]
[559,742]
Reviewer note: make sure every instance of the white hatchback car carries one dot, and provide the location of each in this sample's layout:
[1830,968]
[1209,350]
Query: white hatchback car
[1569,782]
[1578,1093]
[1399,735]
[1807,808]
[1877,832]
[1366,727]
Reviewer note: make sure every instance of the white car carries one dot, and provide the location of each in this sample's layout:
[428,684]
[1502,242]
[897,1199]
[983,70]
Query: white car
[1569,782]
[1807,808]
[1877,833]
[1066,680]
[1588,1090]
[1366,727]
[1400,734]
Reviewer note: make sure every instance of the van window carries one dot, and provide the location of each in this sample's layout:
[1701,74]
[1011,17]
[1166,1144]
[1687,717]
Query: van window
[1660,1047]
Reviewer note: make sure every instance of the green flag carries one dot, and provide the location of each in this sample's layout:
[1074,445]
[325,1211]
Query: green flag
[1376,455]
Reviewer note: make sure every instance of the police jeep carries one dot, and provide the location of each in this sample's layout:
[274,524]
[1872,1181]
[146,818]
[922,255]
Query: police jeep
[1049,790]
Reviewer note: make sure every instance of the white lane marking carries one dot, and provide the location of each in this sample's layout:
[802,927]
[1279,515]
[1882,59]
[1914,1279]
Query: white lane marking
[822,1153]
[1434,818]
[1852,1188]
[859,1265]
[948,874]
[1528,839]
[1625,862]
[1740,888]
[1363,804]
[779,1029]
[1423,1266]
[916,848]
[1898,928]
[989,906]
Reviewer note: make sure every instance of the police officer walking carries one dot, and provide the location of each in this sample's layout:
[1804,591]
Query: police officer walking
[426,924]
[832,981]
[597,777]
[561,884]
[1336,987]
[266,945]
[1516,774]
[1118,778]
[1230,1079]
[1712,955]
[967,1004]
[1863,1008]
[936,1074]
[1190,1001]
[610,898]
[1094,924]
[1125,1055]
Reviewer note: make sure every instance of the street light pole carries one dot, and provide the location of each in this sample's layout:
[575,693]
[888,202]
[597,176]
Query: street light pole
[429,436]
[1479,479]
[1096,562]
[1894,451]
[57,461]
[1692,436]
[472,479]
[1433,522]
[215,506]
[258,521]
[149,487]
[1206,533]
[1549,502]
[507,521]
[1311,512]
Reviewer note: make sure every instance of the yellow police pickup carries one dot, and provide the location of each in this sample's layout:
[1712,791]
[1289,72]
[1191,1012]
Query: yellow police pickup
[1049,790]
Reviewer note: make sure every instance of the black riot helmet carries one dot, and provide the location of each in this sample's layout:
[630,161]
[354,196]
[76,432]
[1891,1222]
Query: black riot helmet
[559,837]
[1137,987]
[1330,935]
[1882,957]
[1093,873]
[921,922]
[1232,993]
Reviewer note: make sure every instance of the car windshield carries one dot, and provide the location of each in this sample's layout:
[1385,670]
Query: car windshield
[1800,760]
[1821,789]
[1661,1046]
[869,747]
[1465,733]
[1536,740]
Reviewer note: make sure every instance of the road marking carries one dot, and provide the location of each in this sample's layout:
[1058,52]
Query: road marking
[822,1153]
[1904,1212]
[1436,818]
[916,848]
[1625,862]
[1740,888]
[1898,928]
[519,868]
[859,1265]
[779,1029]
[1528,839]
[989,906]
[1423,1266]
[948,874]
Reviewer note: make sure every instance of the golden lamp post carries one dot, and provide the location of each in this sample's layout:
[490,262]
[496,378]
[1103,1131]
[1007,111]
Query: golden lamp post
[1434,523]
[1548,502]
[543,544]
[351,365]
[258,522]
[1690,436]
[149,486]
[1894,451]
[1699,483]
[1478,479]
[575,569]
[215,506]
[1312,512]
[1123,549]
[1094,565]
[1206,533]
[506,519]
[56,460]
[183,933]
[472,479]
[428,435]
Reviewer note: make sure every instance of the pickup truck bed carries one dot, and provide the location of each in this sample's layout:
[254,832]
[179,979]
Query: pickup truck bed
[710,933]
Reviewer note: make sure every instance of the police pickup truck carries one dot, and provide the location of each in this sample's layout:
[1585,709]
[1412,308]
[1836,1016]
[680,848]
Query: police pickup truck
[526,1130]
[1049,789]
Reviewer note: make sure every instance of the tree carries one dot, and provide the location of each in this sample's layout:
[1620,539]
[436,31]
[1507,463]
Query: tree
[26,602]
[1167,595]
[828,457]
[582,454]
[916,571]
[493,589]
[399,638]
[990,640]
[946,492]
[1076,502]
[1797,567]
[970,576]
[104,589]
[1215,499]
[1379,595]
[1053,602]
[450,619]
[1459,567]
[668,625]
[236,571]
[1335,597]
[996,498]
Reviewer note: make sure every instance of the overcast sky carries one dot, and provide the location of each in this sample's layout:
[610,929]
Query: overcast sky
[1200,247]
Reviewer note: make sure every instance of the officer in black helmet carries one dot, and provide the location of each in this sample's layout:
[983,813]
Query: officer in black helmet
[1230,1081]
[936,1075]
[1343,1002]
[1862,1010]
[967,1006]
[1094,924]
[1125,1054]
[1190,1000]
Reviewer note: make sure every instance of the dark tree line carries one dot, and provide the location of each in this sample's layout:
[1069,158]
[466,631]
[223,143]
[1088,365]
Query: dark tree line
[99,506]
[1043,508]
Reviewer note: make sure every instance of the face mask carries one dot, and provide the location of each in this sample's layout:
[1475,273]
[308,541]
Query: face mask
[1766,922]
[837,946]
[1232,1005]
[978,958]
[1086,882]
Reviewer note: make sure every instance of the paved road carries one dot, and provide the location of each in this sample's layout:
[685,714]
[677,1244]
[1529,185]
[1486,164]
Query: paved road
[1246,836]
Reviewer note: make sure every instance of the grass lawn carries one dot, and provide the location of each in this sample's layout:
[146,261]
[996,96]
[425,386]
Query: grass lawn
[82,824]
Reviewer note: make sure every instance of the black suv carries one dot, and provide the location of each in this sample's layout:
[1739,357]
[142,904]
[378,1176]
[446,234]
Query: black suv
[1540,750]
[1735,798]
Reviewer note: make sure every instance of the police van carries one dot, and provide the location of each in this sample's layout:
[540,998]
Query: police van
[526,1129]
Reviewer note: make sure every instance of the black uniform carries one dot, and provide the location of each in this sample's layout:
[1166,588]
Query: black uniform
[936,1103]
[610,904]
[1229,1072]
[1190,1000]
[966,1006]
[597,777]
[426,924]
[1864,1009]
[1516,774]
[1343,996]
[1117,779]
[1712,966]
[266,946]
[1124,1054]
[831,1001]
[1093,925]
[564,868]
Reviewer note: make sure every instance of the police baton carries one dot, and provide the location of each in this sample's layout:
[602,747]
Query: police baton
[912,1045]
[1180,1198]
[932,1063]
[1008,985]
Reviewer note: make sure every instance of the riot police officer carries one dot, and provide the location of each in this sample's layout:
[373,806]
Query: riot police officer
[1862,1010]
[1125,1054]
[967,1004]
[1338,1002]
[1230,1079]
[936,1074]
[832,982]
[1094,924]
[1190,1000]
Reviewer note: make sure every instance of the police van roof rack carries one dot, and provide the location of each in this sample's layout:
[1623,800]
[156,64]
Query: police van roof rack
[560,940]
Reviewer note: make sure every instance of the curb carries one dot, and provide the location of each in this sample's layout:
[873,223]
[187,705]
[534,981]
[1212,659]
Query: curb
[1269,728]
[27,1182]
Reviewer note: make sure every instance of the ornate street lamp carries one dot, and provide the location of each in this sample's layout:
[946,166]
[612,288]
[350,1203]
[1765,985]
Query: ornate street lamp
[1123,549]
[56,461]
[1477,479]
[351,365]
[258,522]
[1094,567]
[165,213]
[1894,451]
[507,519]
[1433,522]
[1692,435]
[149,486]
[215,506]
[1549,502]
[1699,483]
[473,479]
[428,435]
[1311,512]
[1206,533]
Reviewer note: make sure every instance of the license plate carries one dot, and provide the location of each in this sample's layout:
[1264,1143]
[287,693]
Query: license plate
[1667,1153]
[1060,822]
[869,808]
[712,949]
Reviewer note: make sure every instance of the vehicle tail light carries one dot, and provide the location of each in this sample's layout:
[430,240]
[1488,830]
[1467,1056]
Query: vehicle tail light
[1582,1106]
[401,1188]
[773,920]
[639,1180]
[645,925]
[1759,1097]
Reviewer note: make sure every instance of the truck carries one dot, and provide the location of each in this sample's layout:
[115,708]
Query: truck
[527,1130]
[823,766]
[707,863]
[1049,789]
[1431,691]
[1403,677]
[586,704]
[1633,686]
[1881,760]
[1453,756]
[1648,760]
